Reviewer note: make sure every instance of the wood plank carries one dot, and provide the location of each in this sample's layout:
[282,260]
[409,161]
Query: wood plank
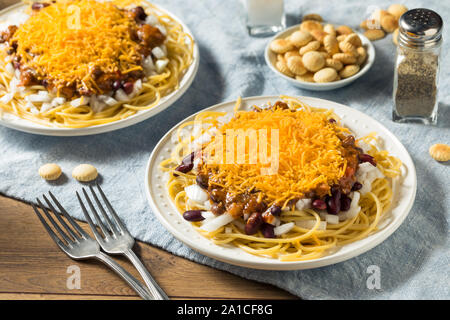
[41,296]
[31,263]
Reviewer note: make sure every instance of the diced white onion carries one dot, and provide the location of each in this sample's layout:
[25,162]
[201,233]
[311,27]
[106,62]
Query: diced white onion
[366,174]
[7,97]
[239,224]
[110,101]
[96,104]
[148,64]
[303,204]
[208,214]
[322,214]
[58,101]
[197,162]
[82,101]
[364,146]
[332,218]
[309,224]
[217,222]
[121,95]
[34,110]
[137,87]
[14,86]
[161,64]
[161,28]
[158,52]
[195,193]
[275,221]
[9,68]
[46,106]
[204,138]
[151,20]
[40,97]
[207,205]
[283,228]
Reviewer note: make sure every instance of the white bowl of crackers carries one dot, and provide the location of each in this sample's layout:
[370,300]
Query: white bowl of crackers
[319,56]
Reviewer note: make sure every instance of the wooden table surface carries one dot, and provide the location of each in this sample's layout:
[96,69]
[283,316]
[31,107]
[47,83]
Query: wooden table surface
[33,267]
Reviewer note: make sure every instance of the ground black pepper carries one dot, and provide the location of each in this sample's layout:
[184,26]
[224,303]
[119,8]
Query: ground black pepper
[416,91]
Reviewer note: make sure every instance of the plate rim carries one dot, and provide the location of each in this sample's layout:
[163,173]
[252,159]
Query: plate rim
[191,73]
[276,264]
[321,86]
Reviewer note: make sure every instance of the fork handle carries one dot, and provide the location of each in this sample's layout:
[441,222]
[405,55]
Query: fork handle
[125,275]
[154,288]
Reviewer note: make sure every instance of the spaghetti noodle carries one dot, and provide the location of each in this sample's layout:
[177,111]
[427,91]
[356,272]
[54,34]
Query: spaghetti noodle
[79,63]
[292,220]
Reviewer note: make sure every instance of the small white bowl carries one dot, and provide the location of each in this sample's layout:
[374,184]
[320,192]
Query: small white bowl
[271,59]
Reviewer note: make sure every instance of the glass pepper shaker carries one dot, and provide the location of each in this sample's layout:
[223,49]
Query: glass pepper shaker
[417,67]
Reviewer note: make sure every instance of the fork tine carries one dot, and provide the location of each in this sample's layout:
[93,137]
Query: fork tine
[49,230]
[88,218]
[116,218]
[61,232]
[111,226]
[63,223]
[69,218]
[94,212]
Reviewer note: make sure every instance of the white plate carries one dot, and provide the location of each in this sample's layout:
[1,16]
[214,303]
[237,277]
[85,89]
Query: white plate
[11,121]
[361,124]
[271,59]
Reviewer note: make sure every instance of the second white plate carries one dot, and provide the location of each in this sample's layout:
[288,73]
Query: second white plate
[14,122]
[360,123]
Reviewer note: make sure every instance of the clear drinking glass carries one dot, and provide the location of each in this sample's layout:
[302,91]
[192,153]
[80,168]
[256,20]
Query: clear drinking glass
[265,17]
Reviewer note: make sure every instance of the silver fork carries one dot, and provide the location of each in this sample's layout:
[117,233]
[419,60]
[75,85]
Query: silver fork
[116,239]
[78,245]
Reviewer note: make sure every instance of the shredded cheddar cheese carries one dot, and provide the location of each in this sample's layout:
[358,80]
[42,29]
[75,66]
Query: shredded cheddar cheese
[308,154]
[67,39]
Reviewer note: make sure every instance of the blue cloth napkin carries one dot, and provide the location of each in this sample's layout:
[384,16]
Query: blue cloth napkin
[413,263]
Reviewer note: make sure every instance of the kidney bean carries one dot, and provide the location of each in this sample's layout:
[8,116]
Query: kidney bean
[183,168]
[217,208]
[275,210]
[39,6]
[348,141]
[235,209]
[319,204]
[139,13]
[334,201]
[117,85]
[357,186]
[253,224]
[267,230]
[189,159]
[331,120]
[367,158]
[128,87]
[345,202]
[218,195]
[202,181]
[268,217]
[193,215]
[16,62]
[186,164]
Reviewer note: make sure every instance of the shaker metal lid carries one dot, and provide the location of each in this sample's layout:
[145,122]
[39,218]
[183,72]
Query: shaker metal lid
[421,24]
